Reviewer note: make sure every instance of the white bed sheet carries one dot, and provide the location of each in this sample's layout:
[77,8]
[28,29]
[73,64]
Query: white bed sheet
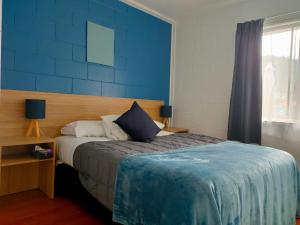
[164,133]
[66,145]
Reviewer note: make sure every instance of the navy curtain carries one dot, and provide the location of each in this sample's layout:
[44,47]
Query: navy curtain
[246,97]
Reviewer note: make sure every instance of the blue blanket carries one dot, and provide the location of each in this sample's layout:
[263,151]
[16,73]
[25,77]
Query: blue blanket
[219,184]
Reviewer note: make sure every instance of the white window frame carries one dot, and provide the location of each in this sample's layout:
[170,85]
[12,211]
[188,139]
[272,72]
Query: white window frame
[288,21]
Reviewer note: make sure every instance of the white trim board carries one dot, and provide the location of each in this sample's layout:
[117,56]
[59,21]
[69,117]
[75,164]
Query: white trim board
[284,19]
[148,10]
[172,64]
[172,69]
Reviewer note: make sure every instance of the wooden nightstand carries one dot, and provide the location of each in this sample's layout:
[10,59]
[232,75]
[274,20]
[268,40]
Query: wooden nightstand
[20,171]
[176,130]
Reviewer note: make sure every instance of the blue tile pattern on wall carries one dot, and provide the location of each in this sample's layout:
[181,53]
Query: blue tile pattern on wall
[44,49]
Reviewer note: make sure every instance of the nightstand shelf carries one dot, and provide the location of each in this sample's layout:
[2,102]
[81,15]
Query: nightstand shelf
[12,160]
[20,171]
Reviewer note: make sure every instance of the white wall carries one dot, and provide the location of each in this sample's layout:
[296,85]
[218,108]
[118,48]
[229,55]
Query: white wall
[205,59]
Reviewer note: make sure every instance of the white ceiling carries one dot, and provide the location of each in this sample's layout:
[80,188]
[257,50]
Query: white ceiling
[175,8]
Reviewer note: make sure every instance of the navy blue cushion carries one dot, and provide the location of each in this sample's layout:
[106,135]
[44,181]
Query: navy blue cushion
[138,124]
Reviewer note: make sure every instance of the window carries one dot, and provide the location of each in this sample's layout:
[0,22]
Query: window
[281,73]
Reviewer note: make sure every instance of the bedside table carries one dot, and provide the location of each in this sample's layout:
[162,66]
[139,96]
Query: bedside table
[20,171]
[176,130]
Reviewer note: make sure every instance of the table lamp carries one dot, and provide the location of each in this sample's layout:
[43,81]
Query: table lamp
[35,109]
[166,113]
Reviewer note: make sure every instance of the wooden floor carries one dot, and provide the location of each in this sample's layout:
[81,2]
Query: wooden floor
[34,208]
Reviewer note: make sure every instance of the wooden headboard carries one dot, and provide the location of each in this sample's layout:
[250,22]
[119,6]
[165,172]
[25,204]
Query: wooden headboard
[62,109]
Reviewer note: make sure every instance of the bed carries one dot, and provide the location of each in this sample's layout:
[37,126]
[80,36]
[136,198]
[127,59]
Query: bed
[106,167]
[246,185]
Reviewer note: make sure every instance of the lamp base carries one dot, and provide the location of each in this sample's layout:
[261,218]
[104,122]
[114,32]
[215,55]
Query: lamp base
[166,122]
[33,129]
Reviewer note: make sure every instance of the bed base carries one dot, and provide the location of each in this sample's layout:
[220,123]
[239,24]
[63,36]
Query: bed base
[67,184]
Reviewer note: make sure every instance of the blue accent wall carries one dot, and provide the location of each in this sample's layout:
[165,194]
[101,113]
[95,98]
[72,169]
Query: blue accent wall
[44,49]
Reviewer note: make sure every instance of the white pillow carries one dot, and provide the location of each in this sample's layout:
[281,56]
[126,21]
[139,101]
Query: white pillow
[84,128]
[164,133]
[113,130]
[159,124]
[68,130]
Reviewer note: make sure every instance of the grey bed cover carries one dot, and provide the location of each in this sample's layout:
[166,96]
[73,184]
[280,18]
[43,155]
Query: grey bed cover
[97,162]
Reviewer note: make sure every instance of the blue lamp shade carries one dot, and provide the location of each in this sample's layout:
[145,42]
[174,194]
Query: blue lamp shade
[166,111]
[35,109]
